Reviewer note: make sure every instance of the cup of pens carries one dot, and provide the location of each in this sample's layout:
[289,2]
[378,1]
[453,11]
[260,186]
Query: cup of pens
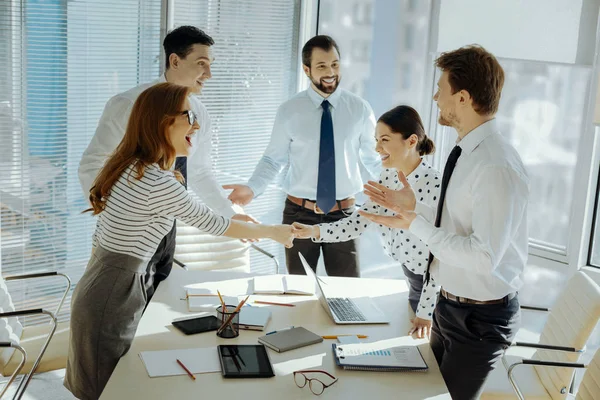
[229,318]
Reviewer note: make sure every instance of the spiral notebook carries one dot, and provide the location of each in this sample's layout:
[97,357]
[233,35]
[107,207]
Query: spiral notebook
[378,357]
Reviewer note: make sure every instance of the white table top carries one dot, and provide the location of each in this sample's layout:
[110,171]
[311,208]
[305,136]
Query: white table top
[155,332]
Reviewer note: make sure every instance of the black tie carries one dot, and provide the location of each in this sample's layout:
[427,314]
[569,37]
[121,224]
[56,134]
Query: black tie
[181,166]
[448,169]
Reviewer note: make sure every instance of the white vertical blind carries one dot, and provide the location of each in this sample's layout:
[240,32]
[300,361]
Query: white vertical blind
[255,70]
[62,60]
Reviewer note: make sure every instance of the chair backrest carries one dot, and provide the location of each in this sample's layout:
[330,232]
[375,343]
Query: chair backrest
[589,389]
[570,323]
[199,250]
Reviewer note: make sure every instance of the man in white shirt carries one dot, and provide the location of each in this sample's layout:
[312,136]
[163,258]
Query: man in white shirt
[325,135]
[478,237]
[189,56]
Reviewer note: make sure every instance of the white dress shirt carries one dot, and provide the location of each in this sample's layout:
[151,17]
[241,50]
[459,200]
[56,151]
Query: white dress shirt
[296,137]
[403,246]
[480,248]
[110,132]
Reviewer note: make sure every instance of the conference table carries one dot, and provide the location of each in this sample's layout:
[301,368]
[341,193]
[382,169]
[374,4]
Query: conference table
[130,379]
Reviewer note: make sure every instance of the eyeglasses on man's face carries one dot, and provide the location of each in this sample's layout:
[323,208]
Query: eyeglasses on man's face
[316,386]
[191,116]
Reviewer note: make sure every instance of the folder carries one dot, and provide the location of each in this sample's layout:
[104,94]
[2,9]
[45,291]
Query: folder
[378,357]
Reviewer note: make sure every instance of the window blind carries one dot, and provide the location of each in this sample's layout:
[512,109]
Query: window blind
[255,69]
[62,61]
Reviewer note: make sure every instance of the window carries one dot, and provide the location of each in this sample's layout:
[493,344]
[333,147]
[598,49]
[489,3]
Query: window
[541,113]
[254,72]
[60,66]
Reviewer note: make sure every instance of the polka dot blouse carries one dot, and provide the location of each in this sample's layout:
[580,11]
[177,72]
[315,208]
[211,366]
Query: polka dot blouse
[401,245]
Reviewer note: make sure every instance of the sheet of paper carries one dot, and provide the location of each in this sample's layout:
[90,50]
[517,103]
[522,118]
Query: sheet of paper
[164,362]
[348,339]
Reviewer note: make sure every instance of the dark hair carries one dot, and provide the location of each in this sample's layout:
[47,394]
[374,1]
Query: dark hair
[322,42]
[474,69]
[406,121]
[180,41]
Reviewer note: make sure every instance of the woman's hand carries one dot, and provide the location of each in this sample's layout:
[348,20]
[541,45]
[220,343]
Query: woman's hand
[420,327]
[283,234]
[302,231]
[401,220]
[396,200]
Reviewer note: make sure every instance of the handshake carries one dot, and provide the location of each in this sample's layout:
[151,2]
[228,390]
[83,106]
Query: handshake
[285,234]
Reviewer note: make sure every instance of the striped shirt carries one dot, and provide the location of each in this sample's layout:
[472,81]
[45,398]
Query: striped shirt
[139,213]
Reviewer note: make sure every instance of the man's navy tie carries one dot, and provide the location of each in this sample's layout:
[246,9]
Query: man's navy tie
[448,169]
[181,166]
[326,183]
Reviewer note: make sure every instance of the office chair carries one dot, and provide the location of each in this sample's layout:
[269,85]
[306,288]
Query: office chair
[39,311]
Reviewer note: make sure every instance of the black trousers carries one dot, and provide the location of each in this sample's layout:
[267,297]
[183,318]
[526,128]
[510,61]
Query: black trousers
[340,258]
[467,340]
[159,267]
[415,287]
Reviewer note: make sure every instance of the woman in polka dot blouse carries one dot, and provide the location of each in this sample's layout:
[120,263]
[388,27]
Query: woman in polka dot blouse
[401,143]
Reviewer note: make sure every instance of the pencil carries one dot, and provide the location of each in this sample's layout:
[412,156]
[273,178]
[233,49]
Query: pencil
[274,304]
[336,336]
[237,309]
[186,370]
[223,306]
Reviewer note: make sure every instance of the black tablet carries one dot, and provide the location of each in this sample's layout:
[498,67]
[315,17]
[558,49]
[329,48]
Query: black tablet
[245,361]
[197,325]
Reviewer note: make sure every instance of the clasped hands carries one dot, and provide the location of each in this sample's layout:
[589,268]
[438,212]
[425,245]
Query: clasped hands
[402,202]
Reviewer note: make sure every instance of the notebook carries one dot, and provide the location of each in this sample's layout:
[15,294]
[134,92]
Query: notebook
[209,303]
[164,362]
[378,357]
[283,284]
[289,339]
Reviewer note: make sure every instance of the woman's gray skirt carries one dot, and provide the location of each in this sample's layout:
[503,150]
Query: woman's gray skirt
[106,308]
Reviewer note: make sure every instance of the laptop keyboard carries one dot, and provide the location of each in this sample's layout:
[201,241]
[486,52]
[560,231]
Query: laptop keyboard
[344,309]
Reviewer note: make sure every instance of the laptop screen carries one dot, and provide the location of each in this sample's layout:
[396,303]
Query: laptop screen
[319,293]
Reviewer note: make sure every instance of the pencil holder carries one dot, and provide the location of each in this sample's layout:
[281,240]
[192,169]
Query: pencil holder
[229,322]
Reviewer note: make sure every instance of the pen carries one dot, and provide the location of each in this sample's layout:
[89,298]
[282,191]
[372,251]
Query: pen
[186,370]
[281,330]
[274,304]
[233,313]
[336,336]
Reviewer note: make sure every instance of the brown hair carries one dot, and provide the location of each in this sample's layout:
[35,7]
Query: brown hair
[406,121]
[474,69]
[145,142]
[322,42]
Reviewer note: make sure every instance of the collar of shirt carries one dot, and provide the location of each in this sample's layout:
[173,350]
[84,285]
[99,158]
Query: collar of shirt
[418,172]
[317,99]
[476,136]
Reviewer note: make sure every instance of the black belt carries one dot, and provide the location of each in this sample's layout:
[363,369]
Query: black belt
[466,300]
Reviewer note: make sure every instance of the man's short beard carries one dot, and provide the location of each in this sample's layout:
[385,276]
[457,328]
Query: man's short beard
[322,87]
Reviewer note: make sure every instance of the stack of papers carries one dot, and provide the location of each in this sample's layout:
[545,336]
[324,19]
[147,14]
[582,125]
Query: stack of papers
[164,362]
[284,284]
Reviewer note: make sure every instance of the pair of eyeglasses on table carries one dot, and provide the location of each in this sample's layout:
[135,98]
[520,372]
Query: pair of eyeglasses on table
[315,385]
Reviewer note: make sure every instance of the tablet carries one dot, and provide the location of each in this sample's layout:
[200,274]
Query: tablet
[197,325]
[245,361]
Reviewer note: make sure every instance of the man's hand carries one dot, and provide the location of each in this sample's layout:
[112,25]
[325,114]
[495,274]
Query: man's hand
[396,200]
[241,194]
[401,220]
[302,231]
[421,327]
[249,219]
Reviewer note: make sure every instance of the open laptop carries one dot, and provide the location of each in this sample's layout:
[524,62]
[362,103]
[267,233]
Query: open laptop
[343,310]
